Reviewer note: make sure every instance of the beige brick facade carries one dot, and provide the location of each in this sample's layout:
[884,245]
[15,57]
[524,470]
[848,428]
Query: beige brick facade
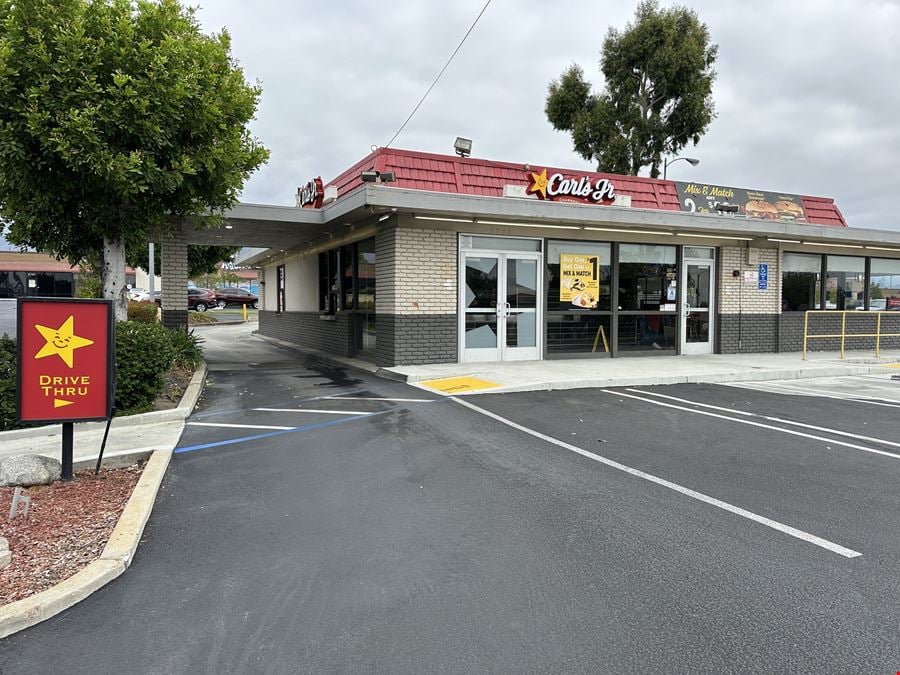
[740,296]
[416,271]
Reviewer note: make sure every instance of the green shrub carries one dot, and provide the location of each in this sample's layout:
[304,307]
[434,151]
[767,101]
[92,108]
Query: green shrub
[88,285]
[144,353]
[144,311]
[186,348]
[7,383]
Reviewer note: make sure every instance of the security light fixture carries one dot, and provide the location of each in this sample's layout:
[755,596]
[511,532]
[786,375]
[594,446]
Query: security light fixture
[725,207]
[882,248]
[384,217]
[785,241]
[463,146]
[378,176]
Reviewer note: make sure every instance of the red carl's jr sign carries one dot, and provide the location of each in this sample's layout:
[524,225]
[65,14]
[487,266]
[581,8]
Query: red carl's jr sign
[66,352]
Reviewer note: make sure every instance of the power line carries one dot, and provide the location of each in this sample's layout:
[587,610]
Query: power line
[425,95]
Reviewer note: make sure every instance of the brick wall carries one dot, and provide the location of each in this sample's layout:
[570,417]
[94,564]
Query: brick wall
[307,329]
[174,279]
[407,340]
[416,272]
[859,322]
[737,296]
[747,315]
[747,333]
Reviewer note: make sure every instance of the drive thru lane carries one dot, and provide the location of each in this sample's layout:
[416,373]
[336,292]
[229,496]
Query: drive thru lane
[428,537]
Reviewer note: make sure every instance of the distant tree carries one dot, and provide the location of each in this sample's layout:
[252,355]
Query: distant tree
[118,119]
[658,95]
[875,292]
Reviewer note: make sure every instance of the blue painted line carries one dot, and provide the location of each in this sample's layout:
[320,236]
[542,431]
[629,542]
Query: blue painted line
[306,427]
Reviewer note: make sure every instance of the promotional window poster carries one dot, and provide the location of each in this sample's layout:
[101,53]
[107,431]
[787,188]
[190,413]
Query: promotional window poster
[579,282]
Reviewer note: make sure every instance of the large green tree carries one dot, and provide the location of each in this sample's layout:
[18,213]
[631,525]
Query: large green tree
[118,120]
[658,96]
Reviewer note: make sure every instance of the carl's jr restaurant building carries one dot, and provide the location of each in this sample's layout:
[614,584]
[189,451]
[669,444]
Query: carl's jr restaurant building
[413,258]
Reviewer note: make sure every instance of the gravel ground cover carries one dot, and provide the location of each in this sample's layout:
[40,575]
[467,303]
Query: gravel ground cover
[66,528]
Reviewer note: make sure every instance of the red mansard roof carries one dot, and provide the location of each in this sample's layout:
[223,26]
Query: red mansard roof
[473,176]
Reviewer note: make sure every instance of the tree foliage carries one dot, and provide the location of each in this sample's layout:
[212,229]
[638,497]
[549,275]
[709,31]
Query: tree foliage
[658,96]
[117,118]
[201,259]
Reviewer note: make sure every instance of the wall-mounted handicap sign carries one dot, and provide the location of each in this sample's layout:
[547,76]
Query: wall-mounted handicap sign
[763,276]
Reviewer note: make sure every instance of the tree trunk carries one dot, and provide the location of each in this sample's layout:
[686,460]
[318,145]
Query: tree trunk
[114,277]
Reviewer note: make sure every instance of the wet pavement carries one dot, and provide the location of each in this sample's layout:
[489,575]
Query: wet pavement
[319,519]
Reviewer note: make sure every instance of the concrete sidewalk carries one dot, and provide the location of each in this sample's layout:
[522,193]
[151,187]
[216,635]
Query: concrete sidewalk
[131,436]
[642,371]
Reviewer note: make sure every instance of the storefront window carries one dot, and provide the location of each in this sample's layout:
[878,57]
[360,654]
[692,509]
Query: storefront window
[347,262]
[279,289]
[801,282]
[567,290]
[365,297]
[648,278]
[579,282]
[845,282]
[31,284]
[647,332]
[884,285]
[648,298]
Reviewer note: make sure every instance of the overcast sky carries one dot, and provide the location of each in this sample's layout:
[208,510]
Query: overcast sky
[806,94]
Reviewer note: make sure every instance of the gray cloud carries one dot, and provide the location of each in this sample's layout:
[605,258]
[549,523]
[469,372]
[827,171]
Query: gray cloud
[805,94]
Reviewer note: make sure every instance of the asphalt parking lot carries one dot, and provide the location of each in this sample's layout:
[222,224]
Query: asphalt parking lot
[317,519]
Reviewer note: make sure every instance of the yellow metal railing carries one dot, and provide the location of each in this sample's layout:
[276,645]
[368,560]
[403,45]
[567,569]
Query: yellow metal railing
[843,335]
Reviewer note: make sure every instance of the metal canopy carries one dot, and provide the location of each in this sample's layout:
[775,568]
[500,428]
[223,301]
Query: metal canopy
[282,228]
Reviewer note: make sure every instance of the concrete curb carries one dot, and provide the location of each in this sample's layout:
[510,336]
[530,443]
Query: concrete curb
[182,411]
[710,378]
[125,537]
[113,561]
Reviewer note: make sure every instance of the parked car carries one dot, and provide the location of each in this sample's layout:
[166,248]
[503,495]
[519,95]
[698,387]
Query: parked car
[138,294]
[235,296]
[199,299]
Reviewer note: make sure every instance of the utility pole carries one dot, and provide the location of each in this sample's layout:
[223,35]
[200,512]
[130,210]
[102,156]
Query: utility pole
[151,270]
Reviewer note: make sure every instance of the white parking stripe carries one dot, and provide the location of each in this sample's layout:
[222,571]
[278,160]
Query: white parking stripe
[376,398]
[771,419]
[310,410]
[235,426]
[832,441]
[725,506]
[783,388]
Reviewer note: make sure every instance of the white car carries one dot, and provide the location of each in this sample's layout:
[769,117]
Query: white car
[138,295]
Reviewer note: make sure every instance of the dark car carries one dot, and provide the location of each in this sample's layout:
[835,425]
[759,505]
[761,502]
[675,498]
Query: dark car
[199,299]
[235,296]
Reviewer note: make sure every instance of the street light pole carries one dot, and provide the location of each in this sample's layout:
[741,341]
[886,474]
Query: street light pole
[692,160]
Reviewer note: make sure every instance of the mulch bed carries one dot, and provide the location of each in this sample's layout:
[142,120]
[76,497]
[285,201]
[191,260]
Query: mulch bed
[66,528]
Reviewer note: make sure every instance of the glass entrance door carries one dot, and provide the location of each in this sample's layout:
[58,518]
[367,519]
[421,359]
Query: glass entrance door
[698,282]
[499,313]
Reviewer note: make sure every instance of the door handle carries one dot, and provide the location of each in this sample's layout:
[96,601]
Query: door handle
[507,307]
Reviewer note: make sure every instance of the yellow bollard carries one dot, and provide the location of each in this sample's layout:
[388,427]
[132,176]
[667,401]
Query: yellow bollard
[244,306]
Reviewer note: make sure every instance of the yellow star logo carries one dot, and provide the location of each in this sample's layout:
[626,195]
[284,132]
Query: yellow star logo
[538,184]
[61,341]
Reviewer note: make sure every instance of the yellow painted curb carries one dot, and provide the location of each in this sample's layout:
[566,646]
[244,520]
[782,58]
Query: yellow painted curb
[458,385]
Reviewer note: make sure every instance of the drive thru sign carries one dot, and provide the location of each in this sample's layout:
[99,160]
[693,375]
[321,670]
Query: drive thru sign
[66,356]
[65,360]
